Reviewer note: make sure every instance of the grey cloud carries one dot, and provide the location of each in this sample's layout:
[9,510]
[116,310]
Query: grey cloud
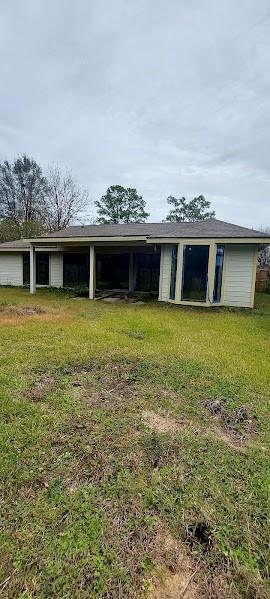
[170,97]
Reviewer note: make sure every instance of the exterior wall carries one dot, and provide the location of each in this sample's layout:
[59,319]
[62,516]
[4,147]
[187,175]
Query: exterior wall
[239,276]
[165,273]
[11,268]
[239,273]
[56,269]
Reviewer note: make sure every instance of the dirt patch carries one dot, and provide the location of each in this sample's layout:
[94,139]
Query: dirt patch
[160,423]
[175,586]
[105,386]
[237,429]
[22,310]
[233,440]
[179,573]
[43,385]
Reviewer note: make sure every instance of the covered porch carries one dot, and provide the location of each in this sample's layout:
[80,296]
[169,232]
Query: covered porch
[96,268]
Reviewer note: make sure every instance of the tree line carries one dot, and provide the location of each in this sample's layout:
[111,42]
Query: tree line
[34,202]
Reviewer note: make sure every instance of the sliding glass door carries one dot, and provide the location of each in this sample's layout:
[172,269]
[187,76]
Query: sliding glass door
[195,273]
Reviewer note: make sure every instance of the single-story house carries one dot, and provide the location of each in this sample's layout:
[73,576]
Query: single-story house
[208,263]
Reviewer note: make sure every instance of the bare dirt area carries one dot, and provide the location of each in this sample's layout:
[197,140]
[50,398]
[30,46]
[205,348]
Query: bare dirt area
[178,574]
[111,386]
[41,386]
[161,423]
[237,429]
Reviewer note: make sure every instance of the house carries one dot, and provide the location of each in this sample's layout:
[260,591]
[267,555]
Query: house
[207,263]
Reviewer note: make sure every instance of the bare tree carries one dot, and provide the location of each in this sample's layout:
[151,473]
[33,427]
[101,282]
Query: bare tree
[65,200]
[22,196]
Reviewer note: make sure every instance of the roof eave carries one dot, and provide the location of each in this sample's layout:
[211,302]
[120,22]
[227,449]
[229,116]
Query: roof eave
[88,239]
[190,240]
[17,249]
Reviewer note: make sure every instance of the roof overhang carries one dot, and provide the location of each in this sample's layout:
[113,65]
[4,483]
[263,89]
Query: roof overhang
[204,240]
[85,239]
[131,238]
[21,249]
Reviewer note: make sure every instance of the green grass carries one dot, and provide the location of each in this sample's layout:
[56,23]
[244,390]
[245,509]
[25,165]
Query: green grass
[87,485]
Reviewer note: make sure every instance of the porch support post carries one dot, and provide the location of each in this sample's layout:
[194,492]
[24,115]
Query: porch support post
[131,272]
[211,271]
[32,269]
[92,272]
[179,273]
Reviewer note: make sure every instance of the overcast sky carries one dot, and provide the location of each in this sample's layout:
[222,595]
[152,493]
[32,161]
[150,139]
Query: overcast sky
[168,96]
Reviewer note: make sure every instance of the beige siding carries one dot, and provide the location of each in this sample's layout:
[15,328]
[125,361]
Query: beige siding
[165,273]
[238,277]
[11,268]
[56,269]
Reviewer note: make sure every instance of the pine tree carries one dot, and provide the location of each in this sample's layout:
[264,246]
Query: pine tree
[193,210]
[121,205]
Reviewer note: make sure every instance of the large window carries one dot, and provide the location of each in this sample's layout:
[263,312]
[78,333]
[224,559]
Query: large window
[75,270]
[218,273]
[42,268]
[195,273]
[173,271]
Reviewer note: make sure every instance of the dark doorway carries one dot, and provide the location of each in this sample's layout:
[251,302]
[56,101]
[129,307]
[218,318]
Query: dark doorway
[26,269]
[146,268]
[195,272]
[42,268]
[112,271]
[75,270]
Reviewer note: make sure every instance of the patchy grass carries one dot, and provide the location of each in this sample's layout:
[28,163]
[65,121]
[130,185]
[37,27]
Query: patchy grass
[117,480]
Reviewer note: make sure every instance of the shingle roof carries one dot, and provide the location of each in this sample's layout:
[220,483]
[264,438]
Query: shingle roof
[203,229]
[19,244]
[211,228]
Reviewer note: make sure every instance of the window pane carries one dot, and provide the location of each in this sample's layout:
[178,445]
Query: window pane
[195,272]
[218,273]
[42,268]
[173,271]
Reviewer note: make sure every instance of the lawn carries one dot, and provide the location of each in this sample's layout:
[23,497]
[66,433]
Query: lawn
[127,469]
